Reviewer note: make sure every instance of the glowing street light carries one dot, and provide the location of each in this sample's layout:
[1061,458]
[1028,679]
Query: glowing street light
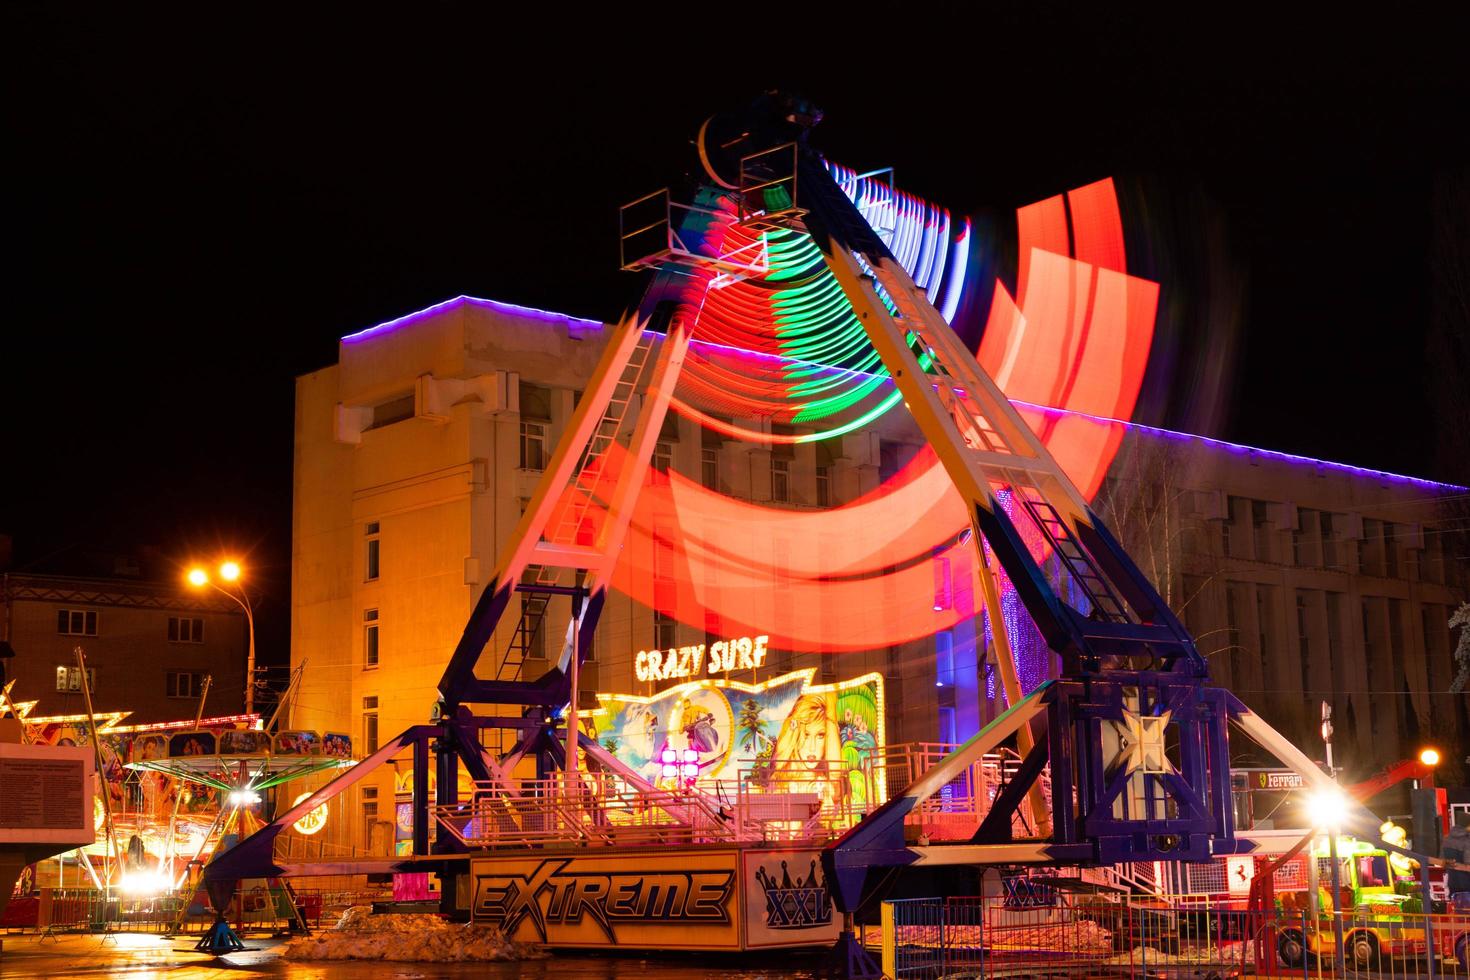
[1327,809]
[230,571]
[1429,756]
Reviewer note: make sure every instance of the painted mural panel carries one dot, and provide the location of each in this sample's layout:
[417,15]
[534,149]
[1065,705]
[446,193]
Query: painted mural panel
[785,735]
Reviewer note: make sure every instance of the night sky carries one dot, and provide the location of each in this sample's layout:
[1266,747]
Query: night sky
[198,209]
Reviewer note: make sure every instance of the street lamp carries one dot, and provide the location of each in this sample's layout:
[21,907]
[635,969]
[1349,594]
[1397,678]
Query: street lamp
[230,571]
[1328,809]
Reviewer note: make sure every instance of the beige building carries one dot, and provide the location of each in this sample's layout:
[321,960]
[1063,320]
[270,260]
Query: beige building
[149,646]
[417,450]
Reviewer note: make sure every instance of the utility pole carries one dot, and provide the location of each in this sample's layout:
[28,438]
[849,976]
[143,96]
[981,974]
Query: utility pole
[1339,956]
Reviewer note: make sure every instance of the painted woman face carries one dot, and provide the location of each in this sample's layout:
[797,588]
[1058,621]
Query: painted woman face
[811,747]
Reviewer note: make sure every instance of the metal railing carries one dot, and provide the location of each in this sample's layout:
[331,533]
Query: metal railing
[811,802]
[1037,934]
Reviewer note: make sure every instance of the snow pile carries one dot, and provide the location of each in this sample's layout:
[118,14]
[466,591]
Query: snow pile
[1189,956]
[360,935]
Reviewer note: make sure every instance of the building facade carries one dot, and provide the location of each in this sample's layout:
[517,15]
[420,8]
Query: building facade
[417,451]
[148,645]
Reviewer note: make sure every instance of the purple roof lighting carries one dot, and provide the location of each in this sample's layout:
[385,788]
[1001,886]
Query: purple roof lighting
[1236,447]
[578,323]
[408,319]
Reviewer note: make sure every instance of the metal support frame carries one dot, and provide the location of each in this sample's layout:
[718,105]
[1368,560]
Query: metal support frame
[1135,741]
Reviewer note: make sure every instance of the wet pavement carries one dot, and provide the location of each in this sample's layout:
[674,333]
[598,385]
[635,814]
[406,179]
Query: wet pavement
[140,957]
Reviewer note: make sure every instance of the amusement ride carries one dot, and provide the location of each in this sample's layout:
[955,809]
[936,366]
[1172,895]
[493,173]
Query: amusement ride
[794,300]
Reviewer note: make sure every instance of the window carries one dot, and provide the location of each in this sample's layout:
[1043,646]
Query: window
[1373,871]
[780,480]
[1431,560]
[369,638]
[663,631]
[369,810]
[1371,562]
[371,530]
[393,411]
[663,457]
[1391,550]
[1232,623]
[533,445]
[535,425]
[1304,640]
[1227,528]
[69,679]
[1261,530]
[370,726]
[824,486]
[1306,520]
[183,684]
[1265,614]
[76,622]
[1329,541]
[1193,598]
[709,468]
[1335,602]
[182,629]
[892,457]
[1371,646]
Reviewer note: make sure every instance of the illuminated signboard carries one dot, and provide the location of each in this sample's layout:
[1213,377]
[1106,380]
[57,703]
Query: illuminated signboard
[742,653]
[785,735]
[315,819]
[671,899]
[1281,779]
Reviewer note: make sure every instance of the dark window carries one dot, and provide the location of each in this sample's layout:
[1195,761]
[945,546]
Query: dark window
[533,445]
[1232,633]
[1227,528]
[183,684]
[1261,529]
[663,631]
[393,411]
[183,629]
[370,638]
[1304,640]
[780,480]
[76,622]
[709,468]
[1329,541]
[370,724]
[372,550]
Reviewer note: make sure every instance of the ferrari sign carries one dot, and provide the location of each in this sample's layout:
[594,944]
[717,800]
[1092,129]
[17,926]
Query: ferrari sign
[1240,872]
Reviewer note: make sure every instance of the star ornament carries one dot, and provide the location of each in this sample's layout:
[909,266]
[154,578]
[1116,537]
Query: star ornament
[1141,743]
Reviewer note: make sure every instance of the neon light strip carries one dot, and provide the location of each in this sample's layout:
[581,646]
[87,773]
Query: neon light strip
[449,304]
[745,352]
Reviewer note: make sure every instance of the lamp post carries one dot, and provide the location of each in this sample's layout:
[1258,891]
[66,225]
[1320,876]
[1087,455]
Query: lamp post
[1327,810]
[230,571]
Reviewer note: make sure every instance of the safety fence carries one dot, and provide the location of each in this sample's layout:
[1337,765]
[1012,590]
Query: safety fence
[258,907]
[1032,933]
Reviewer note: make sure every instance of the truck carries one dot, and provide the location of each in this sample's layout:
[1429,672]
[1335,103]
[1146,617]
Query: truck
[1382,911]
